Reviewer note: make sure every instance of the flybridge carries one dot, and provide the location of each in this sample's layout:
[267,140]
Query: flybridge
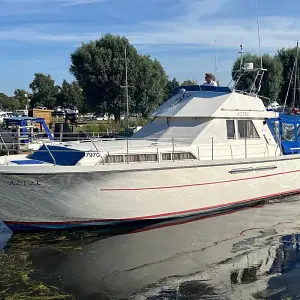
[207,88]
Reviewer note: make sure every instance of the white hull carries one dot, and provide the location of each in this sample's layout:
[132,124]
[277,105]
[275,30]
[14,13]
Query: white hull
[59,197]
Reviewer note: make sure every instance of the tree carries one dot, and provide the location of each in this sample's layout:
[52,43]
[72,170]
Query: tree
[272,80]
[99,68]
[20,95]
[44,90]
[150,85]
[13,104]
[172,86]
[71,94]
[189,82]
[4,100]
[287,58]
[8,103]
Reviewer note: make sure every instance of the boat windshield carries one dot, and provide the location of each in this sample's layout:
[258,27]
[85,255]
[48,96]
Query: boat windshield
[11,124]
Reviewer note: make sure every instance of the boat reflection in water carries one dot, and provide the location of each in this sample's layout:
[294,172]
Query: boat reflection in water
[5,235]
[251,254]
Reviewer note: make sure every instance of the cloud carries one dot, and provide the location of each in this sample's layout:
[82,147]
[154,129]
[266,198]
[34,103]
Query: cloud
[18,7]
[79,2]
[197,22]
[180,33]
[202,22]
[275,32]
[29,35]
[43,2]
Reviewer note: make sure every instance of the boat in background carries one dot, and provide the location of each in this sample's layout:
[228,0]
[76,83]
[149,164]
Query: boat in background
[24,134]
[274,106]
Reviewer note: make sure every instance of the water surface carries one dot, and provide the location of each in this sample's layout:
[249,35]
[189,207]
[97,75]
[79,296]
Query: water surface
[250,254]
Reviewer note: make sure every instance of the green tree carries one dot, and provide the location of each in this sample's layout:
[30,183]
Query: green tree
[272,80]
[71,94]
[172,85]
[44,90]
[288,58]
[13,104]
[151,85]
[99,68]
[4,100]
[188,82]
[8,103]
[20,95]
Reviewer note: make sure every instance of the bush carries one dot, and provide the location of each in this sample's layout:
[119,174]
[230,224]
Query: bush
[112,126]
[94,127]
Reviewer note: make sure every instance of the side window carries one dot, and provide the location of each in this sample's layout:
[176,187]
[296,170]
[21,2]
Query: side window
[298,131]
[247,130]
[230,129]
[288,132]
[276,128]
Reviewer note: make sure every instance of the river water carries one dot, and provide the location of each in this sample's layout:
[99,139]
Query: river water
[249,254]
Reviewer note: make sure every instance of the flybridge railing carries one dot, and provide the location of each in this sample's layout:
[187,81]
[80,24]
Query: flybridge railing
[128,150]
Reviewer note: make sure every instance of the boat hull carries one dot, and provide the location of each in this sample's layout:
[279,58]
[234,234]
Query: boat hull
[110,198]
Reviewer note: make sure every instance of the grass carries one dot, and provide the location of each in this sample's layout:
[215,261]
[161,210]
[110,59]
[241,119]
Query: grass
[19,280]
[111,126]
[16,280]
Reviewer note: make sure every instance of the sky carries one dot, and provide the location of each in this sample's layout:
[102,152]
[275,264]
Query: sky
[186,36]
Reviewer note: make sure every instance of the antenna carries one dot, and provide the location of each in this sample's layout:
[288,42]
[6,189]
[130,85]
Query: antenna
[296,71]
[288,90]
[242,55]
[216,59]
[126,80]
[126,87]
[258,33]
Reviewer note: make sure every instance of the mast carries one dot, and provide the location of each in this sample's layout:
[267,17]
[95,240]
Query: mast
[248,67]
[242,56]
[216,59]
[126,86]
[296,73]
[258,35]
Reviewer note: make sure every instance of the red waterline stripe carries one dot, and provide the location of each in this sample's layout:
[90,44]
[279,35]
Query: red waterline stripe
[198,218]
[183,212]
[195,184]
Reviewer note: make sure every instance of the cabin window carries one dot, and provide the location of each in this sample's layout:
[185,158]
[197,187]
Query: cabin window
[112,159]
[181,156]
[148,157]
[288,132]
[247,130]
[166,156]
[230,129]
[178,156]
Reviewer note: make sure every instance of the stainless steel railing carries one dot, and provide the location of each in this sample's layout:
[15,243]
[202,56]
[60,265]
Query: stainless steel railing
[132,150]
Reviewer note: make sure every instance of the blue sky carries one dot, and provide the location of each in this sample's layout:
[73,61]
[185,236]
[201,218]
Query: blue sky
[185,35]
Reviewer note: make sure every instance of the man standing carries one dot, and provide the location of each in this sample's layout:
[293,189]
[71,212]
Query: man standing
[209,80]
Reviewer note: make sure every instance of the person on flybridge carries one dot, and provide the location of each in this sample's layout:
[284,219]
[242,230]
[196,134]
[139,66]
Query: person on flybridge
[210,79]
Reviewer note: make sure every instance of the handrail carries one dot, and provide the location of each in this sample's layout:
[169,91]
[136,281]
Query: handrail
[91,141]
[242,147]
[4,144]
[96,149]
[127,150]
[54,161]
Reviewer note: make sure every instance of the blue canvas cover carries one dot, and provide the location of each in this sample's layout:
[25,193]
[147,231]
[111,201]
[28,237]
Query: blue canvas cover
[286,131]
